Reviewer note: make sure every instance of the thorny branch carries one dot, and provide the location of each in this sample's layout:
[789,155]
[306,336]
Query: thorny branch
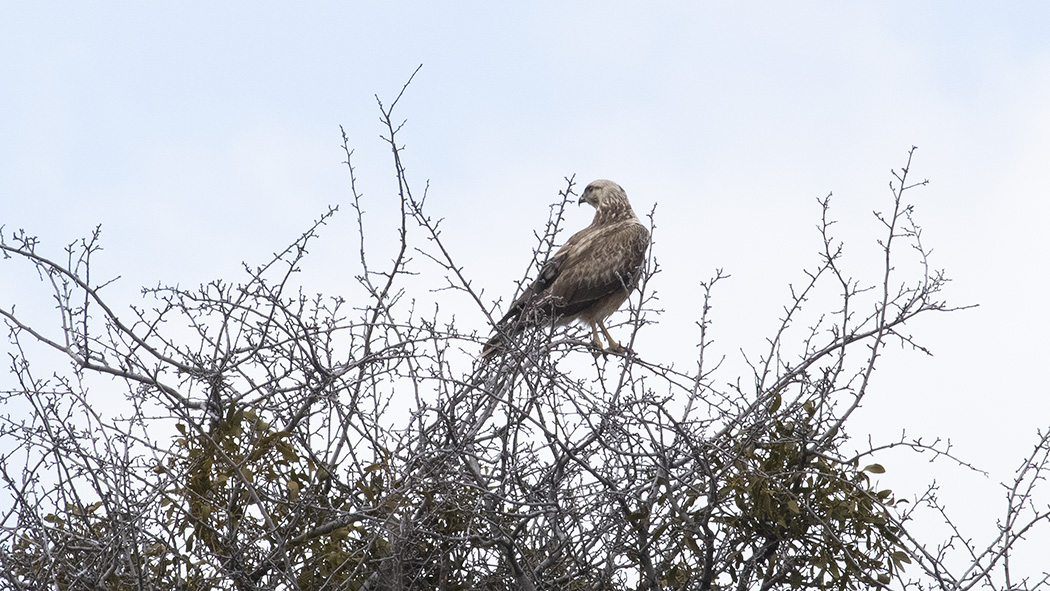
[268,439]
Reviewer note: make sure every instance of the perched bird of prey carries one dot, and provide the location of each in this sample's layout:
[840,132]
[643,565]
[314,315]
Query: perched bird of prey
[589,277]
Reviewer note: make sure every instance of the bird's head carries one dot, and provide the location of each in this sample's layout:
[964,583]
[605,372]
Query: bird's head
[608,198]
[602,191]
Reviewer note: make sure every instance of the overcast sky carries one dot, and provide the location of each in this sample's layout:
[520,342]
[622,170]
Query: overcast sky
[200,135]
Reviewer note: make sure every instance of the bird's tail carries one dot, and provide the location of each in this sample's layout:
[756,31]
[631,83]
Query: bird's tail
[504,333]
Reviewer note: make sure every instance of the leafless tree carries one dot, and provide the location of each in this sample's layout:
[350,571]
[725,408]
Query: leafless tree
[268,439]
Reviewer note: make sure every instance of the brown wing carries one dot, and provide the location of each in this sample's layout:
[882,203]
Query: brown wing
[606,262]
[593,264]
[548,274]
[511,324]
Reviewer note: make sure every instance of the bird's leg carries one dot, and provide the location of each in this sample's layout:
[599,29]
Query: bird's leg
[613,345]
[596,342]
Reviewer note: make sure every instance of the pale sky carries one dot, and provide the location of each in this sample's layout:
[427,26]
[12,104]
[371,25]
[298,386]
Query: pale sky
[202,134]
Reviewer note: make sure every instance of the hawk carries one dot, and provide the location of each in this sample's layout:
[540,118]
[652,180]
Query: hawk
[589,277]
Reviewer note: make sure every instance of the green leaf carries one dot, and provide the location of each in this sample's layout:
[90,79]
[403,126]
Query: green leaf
[287,451]
[875,469]
[691,543]
[900,558]
[775,405]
